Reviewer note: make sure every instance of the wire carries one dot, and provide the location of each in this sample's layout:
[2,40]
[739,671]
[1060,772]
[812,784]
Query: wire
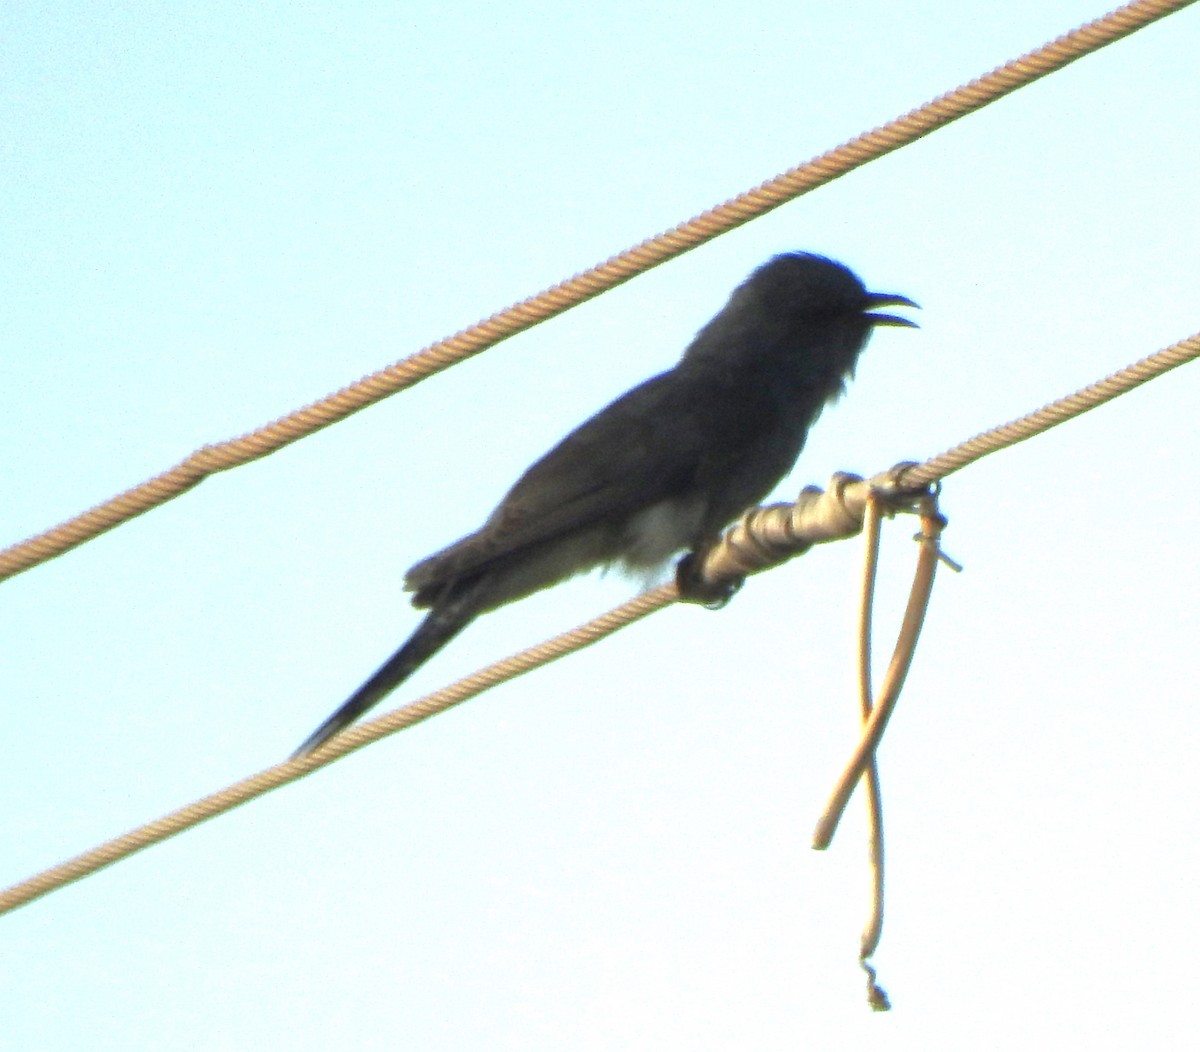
[1054,413]
[350,740]
[222,456]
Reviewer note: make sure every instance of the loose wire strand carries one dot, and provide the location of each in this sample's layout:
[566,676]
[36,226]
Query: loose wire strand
[875,714]
[222,456]
[893,679]
[876,996]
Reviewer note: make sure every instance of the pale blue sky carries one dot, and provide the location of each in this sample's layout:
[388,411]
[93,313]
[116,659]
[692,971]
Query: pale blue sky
[214,213]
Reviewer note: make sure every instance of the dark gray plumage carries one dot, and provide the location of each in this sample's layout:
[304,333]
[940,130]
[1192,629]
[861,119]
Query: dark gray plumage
[663,468]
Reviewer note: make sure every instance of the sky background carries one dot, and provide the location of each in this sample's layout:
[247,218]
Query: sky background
[214,213]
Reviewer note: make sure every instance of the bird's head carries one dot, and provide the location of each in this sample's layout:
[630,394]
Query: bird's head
[811,290]
[799,312]
[806,319]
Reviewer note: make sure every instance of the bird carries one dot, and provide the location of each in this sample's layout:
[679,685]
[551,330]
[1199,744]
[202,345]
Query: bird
[660,470]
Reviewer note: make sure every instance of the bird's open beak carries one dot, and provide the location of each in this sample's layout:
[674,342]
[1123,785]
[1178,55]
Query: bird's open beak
[887,299]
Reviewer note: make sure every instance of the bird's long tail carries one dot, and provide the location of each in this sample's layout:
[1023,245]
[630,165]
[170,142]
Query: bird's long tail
[441,625]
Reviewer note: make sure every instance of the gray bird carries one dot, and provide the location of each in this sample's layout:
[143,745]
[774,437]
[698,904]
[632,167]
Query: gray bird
[661,470]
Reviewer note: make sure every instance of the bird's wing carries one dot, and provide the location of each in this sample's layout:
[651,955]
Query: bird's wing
[640,450]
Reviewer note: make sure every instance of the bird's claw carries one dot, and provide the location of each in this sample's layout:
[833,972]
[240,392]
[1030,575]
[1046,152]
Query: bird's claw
[694,588]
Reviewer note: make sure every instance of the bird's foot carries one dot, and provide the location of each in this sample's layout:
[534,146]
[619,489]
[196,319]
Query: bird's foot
[694,588]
